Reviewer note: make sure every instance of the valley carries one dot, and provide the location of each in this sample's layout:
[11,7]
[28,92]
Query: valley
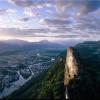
[19,66]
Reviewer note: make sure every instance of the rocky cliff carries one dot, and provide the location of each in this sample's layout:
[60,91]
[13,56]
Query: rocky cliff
[71,69]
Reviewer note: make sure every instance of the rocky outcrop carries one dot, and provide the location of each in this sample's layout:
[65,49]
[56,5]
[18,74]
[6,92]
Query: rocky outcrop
[71,68]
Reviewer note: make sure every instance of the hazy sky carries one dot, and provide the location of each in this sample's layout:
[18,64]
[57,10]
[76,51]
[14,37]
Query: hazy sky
[35,20]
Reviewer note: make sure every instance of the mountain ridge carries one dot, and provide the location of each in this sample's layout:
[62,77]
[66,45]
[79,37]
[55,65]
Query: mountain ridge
[19,45]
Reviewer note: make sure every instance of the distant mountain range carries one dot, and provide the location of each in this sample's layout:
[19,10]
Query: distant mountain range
[14,44]
[14,41]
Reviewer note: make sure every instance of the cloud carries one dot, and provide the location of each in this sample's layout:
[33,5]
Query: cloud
[21,32]
[89,6]
[7,11]
[3,11]
[97,13]
[11,11]
[58,18]
[89,22]
[34,33]
[36,3]
[30,12]
[58,22]
[84,6]
[24,19]
[23,3]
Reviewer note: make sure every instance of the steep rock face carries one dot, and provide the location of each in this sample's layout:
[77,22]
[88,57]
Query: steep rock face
[71,69]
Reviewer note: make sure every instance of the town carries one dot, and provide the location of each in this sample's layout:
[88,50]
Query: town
[22,66]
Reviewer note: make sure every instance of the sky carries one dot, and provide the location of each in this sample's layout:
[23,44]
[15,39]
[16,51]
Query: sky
[53,20]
